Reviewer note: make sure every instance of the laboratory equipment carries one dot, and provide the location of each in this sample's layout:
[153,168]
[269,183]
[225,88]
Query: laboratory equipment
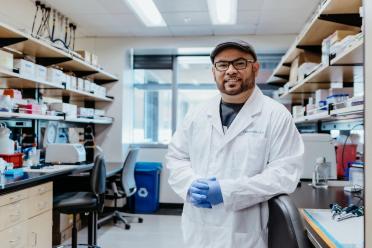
[65,153]
[320,173]
[6,144]
[318,145]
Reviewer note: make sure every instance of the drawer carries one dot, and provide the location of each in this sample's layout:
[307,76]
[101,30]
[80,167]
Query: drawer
[14,237]
[39,203]
[41,189]
[40,231]
[13,197]
[13,214]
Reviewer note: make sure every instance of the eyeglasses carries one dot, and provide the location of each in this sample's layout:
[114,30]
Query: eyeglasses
[238,64]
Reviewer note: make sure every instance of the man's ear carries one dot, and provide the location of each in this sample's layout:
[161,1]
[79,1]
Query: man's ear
[255,68]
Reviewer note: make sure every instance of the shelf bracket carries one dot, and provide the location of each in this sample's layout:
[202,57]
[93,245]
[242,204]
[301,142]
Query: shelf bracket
[311,48]
[51,60]
[11,41]
[285,77]
[104,81]
[287,64]
[84,73]
[347,19]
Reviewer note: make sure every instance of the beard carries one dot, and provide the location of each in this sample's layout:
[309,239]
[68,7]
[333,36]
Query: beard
[236,87]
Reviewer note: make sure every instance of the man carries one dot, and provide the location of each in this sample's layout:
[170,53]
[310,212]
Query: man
[233,154]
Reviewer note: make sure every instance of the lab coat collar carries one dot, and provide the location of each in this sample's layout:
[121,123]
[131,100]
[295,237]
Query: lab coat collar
[251,107]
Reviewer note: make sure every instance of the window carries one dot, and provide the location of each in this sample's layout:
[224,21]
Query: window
[166,87]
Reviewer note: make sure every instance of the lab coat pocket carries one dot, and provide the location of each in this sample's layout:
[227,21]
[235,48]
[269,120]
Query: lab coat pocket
[249,154]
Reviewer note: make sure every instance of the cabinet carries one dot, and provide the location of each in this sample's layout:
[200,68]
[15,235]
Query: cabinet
[26,218]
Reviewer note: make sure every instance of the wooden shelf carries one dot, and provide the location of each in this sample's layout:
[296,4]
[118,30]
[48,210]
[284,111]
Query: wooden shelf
[353,55]
[315,31]
[17,81]
[321,79]
[30,116]
[77,95]
[87,120]
[47,54]
[353,110]
[348,113]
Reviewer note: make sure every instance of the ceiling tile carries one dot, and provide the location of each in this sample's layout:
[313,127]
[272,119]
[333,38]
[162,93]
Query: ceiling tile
[181,5]
[250,4]
[248,17]
[115,6]
[68,7]
[191,30]
[187,18]
[234,30]
[127,20]
[290,4]
[158,31]
[278,28]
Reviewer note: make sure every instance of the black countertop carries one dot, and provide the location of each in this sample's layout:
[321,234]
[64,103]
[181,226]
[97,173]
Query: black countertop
[13,183]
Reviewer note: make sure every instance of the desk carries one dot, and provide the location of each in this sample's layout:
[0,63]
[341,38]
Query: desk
[323,231]
[316,204]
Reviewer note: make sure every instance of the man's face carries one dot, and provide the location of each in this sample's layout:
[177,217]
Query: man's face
[234,81]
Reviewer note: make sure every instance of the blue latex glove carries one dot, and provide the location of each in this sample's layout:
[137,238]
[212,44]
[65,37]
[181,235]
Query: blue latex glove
[214,195]
[197,194]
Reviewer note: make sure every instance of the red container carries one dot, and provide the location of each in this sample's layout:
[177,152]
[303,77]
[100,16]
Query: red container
[30,108]
[343,156]
[15,158]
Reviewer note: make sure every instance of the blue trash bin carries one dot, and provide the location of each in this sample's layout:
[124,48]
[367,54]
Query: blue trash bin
[147,176]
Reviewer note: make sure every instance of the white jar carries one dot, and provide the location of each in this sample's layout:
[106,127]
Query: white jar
[6,144]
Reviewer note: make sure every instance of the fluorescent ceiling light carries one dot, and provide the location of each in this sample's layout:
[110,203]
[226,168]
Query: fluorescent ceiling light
[147,12]
[223,12]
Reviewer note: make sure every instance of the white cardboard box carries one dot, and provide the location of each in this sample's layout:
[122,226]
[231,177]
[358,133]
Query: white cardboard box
[69,109]
[80,84]
[6,60]
[55,76]
[40,72]
[26,68]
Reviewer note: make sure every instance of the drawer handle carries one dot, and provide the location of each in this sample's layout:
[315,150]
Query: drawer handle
[12,198]
[34,239]
[15,242]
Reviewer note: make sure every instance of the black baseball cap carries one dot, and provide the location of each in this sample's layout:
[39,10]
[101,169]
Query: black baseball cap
[238,44]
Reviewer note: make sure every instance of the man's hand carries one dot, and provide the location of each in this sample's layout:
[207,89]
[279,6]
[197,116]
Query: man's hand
[214,195]
[198,194]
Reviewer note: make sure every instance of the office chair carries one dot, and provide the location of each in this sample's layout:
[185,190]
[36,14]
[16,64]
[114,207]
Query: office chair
[285,224]
[128,188]
[85,202]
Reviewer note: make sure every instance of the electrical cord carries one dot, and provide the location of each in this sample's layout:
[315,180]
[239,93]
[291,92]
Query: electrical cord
[37,3]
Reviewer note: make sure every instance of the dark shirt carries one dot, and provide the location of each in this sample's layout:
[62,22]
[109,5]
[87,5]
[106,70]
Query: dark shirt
[228,112]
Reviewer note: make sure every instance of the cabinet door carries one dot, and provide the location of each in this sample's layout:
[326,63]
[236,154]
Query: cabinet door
[14,237]
[40,231]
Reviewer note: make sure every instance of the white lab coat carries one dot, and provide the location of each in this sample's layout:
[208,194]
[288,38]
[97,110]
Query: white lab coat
[258,157]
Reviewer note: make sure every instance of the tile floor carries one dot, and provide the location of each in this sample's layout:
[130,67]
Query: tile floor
[157,231]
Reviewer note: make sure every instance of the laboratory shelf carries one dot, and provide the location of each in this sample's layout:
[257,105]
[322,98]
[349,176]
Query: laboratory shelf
[332,15]
[352,110]
[353,55]
[87,120]
[46,54]
[77,95]
[30,116]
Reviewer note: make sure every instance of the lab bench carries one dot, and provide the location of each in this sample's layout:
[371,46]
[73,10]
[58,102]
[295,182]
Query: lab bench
[26,204]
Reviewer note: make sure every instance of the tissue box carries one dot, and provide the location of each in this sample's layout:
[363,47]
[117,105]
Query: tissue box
[26,68]
[73,82]
[86,112]
[55,76]
[40,72]
[69,109]
[80,84]
[6,60]
[99,112]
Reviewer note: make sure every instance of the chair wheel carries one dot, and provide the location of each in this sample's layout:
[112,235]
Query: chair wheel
[127,227]
[140,220]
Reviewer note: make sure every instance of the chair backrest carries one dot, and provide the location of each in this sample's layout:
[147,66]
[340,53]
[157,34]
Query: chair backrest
[285,225]
[128,181]
[98,176]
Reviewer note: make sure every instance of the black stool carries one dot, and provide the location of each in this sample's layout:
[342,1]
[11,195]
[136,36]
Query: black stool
[85,202]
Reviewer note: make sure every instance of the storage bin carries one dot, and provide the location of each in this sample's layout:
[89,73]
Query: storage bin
[16,159]
[147,176]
